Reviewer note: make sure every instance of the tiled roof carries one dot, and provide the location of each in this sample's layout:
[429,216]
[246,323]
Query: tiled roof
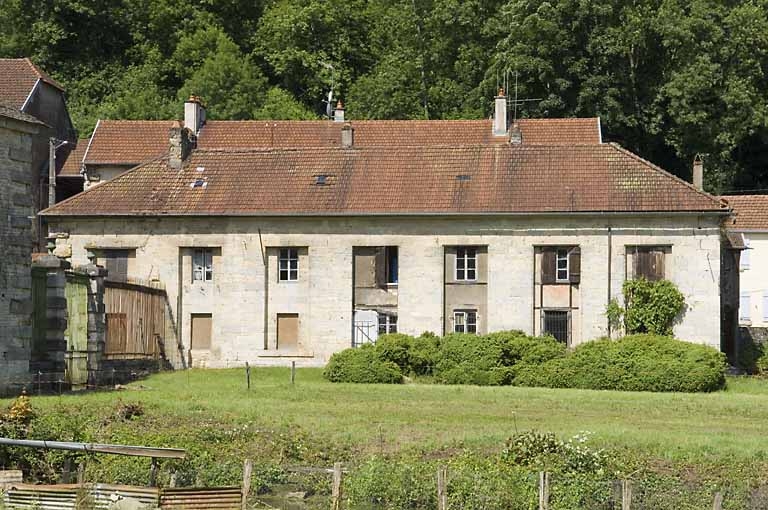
[16,114]
[17,78]
[74,162]
[386,180]
[750,212]
[129,142]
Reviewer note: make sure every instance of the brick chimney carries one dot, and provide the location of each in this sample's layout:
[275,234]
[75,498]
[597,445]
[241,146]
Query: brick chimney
[194,114]
[180,145]
[500,115]
[347,136]
[338,113]
[698,172]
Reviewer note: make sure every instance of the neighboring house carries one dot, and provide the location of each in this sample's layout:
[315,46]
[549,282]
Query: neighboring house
[750,222]
[293,240]
[17,130]
[25,87]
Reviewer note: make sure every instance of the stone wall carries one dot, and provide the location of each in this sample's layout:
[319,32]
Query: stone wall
[16,240]
[242,305]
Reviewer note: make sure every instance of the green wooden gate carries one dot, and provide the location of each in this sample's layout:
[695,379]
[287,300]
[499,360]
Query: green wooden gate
[76,333]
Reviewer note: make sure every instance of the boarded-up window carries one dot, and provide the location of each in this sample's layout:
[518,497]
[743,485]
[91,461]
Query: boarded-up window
[202,324]
[117,333]
[116,262]
[649,262]
[287,331]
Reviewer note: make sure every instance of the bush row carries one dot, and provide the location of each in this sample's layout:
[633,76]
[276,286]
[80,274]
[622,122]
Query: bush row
[633,363]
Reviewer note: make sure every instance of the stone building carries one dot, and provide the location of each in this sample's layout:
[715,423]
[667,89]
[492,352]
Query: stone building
[17,130]
[291,240]
[27,88]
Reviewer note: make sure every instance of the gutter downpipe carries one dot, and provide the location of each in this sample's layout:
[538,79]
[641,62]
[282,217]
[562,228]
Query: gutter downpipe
[610,246]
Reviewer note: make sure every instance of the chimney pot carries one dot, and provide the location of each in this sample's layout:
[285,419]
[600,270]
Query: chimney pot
[194,114]
[180,145]
[338,114]
[347,136]
[698,172]
[500,115]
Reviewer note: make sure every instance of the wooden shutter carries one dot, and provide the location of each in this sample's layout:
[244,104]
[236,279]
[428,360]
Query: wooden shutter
[548,265]
[657,264]
[287,331]
[117,264]
[574,265]
[201,330]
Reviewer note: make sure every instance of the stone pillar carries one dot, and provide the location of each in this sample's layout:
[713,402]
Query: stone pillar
[97,319]
[53,361]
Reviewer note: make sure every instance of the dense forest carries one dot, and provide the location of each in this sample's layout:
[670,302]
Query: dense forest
[669,78]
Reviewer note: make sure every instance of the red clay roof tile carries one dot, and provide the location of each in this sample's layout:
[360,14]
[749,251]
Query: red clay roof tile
[17,79]
[751,212]
[387,180]
[74,162]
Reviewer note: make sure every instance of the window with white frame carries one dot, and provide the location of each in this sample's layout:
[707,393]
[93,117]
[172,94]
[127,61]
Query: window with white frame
[387,323]
[202,265]
[465,321]
[562,265]
[466,264]
[745,308]
[288,265]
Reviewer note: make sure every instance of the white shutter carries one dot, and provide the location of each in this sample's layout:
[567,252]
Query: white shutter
[765,305]
[744,259]
[744,308]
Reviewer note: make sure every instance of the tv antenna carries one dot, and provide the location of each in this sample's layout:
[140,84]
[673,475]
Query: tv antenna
[329,101]
[516,101]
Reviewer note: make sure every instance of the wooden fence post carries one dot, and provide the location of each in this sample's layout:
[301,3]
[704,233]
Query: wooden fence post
[718,504]
[336,491]
[442,492]
[81,473]
[543,490]
[247,470]
[153,473]
[293,372]
[626,494]
[247,375]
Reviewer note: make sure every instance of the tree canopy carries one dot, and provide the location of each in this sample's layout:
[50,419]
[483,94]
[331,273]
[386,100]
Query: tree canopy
[669,78]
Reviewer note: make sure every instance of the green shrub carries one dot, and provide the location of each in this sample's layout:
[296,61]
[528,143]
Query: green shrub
[395,347]
[361,365]
[633,363]
[651,306]
[491,359]
[423,354]
[752,355]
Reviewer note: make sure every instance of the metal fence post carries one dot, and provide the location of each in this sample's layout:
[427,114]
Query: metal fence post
[293,372]
[248,375]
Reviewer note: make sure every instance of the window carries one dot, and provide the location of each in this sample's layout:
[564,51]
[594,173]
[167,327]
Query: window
[745,312]
[392,269]
[562,265]
[202,265]
[744,257]
[387,323]
[465,321]
[466,264]
[556,324]
[116,263]
[288,265]
[287,331]
[648,262]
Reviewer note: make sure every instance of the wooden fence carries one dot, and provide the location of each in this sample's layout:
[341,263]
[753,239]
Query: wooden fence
[138,322]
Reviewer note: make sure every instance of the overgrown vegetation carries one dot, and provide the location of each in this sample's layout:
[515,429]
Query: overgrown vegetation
[678,448]
[649,307]
[668,79]
[633,363]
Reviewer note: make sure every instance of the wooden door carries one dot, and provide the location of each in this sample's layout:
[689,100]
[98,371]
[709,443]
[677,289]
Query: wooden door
[76,334]
[117,333]
[287,331]
[202,325]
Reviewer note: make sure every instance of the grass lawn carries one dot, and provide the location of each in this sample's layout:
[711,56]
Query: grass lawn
[714,428]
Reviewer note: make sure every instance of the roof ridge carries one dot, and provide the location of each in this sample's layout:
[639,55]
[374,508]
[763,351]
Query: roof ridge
[42,74]
[660,170]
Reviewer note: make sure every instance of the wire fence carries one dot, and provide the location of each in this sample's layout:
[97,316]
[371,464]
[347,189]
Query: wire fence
[58,383]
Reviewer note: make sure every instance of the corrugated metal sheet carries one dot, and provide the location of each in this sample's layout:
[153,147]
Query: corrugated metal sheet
[76,497]
[192,499]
